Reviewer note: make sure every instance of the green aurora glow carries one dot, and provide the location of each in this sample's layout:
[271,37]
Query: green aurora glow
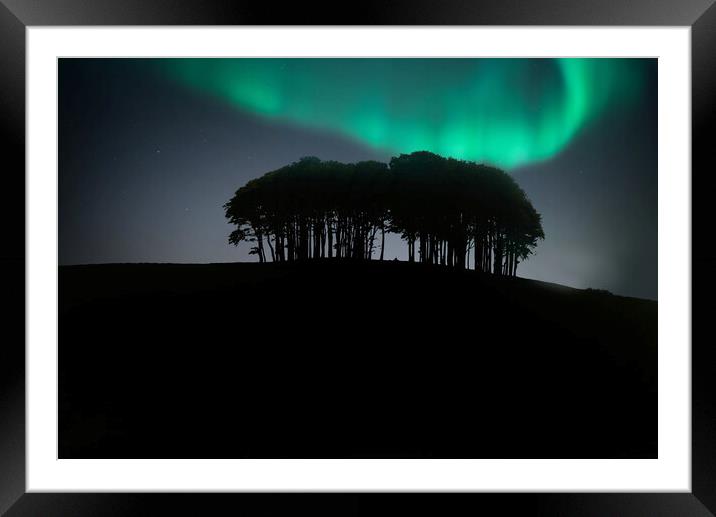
[507,112]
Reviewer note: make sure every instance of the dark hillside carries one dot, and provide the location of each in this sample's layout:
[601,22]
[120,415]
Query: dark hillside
[343,359]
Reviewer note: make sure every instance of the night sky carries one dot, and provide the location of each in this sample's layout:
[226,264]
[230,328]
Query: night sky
[150,150]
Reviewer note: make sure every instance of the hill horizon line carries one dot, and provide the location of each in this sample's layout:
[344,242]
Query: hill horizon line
[316,263]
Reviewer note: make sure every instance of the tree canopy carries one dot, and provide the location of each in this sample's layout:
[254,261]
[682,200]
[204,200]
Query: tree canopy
[447,211]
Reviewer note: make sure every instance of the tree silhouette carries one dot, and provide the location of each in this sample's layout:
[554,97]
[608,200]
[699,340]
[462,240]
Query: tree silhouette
[448,211]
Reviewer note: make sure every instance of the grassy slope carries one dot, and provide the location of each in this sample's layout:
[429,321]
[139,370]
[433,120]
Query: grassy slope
[349,360]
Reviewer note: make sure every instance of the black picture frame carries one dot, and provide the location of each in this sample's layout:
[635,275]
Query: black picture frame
[16,15]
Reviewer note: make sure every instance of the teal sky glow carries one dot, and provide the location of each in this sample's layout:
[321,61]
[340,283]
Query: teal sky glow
[507,112]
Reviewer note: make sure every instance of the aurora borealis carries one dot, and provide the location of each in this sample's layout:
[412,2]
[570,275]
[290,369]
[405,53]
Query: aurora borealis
[507,112]
[150,149]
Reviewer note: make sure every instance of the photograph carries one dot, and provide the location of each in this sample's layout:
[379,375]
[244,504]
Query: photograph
[269,257]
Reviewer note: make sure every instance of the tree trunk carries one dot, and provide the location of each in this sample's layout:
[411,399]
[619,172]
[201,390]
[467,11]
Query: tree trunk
[382,240]
[260,246]
[273,255]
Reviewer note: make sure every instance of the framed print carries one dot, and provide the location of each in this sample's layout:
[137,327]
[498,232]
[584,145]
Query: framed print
[432,251]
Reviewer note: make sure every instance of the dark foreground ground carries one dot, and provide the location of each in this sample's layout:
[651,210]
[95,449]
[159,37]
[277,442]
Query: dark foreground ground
[349,360]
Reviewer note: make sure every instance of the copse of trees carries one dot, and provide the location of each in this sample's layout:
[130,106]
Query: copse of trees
[448,212]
